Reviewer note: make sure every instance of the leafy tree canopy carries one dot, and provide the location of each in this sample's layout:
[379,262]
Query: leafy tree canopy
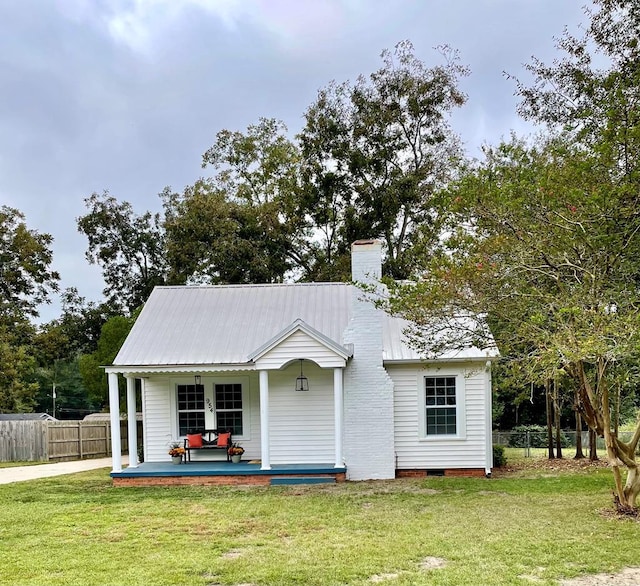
[546,246]
[128,247]
[112,336]
[242,225]
[26,279]
[544,239]
[375,152]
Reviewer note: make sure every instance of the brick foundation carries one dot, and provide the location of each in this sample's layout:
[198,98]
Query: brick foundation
[264,480]
[249,479]
[464,472]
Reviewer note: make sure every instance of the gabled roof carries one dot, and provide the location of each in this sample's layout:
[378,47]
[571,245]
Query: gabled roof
[225,324]
[229,325]
[300,326]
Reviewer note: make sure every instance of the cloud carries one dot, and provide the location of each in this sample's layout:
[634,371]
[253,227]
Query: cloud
[126,95]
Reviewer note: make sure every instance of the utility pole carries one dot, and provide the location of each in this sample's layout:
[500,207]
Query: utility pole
[53,395]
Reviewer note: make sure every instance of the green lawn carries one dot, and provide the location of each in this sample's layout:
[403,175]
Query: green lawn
[529,526]
[519,454]
[14,464]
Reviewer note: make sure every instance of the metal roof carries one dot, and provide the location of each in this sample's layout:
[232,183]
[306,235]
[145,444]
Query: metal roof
[26,417]
[396,347]
[226,324]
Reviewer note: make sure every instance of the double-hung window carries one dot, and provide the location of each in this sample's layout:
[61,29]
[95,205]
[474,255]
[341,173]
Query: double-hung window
[217,403]
[228,407]
[191,412]
[441,409]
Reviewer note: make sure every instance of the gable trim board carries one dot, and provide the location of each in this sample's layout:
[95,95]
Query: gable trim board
[366,408]
[301,332]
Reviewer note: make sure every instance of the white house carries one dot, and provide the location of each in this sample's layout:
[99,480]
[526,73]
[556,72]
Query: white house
[229,356]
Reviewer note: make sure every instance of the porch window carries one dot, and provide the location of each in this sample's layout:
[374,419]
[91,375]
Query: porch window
[440,404]
[190,408]
[228,402]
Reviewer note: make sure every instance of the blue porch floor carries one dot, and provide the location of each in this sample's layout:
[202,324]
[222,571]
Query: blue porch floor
[164,469]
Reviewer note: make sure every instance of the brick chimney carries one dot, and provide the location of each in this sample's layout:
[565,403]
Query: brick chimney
[368,389]
[366,261]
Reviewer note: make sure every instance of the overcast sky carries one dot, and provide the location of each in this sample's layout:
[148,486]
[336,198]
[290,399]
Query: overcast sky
[126,95]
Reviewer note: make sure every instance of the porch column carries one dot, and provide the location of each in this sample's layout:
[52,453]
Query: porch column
[338,415]
[264,420]
[132,422]
[114,411]
[488,420]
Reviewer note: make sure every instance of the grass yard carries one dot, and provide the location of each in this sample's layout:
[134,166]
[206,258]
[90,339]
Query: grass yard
[15,464]
[527,525]
[518,454]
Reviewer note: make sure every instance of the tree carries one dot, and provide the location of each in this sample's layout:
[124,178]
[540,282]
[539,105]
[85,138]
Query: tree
[242,225]
[81,322]
[376,152]
[543,241]
[258,173]
[594,90]
[17,393]
[593,93]
[213,239]
[112,336]
[72,400]
[57,347]
[26,279]
[129,249]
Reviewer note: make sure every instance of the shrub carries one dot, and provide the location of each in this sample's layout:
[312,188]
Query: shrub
[537,437]
[499,459]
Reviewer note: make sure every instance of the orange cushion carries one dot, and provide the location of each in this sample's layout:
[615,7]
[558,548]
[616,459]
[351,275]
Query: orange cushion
[195,440]
[223,439]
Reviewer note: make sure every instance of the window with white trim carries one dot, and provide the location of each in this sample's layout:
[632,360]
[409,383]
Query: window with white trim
[440,405]
[229,407]
[191,411]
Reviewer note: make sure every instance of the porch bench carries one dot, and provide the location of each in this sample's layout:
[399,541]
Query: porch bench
[210,441]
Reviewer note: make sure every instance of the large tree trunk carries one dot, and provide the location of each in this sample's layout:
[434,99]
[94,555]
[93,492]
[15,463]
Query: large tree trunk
[632,487]
[549,405]
[593,448]
[615,464]
[619,453]
[595,404]
[579,453]
[556,417]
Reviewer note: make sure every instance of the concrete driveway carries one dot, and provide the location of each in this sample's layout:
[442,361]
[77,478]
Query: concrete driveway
[22,473]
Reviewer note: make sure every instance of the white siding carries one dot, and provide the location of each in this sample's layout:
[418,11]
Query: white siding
[301,423]
[158,425]
[251,438]
[161,419]
[299,345]
[413,450]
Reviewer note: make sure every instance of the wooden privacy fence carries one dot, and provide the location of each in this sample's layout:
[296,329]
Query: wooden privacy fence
[22,441]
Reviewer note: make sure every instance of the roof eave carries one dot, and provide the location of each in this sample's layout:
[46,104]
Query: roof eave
[176,368]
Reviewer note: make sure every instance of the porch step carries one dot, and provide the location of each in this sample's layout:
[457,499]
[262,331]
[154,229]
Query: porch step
[288,480]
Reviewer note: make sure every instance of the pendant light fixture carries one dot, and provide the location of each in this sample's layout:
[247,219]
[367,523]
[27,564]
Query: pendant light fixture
[302,382]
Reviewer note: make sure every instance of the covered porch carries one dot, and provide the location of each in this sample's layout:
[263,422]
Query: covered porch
[284,432]
[218,473]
